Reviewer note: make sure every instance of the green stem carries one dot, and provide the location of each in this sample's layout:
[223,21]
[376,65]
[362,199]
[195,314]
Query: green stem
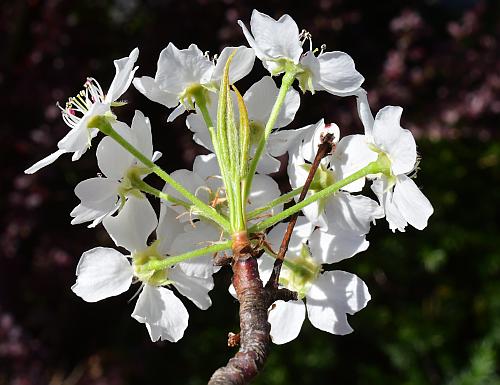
[170,261]
[286,83]
[282,199]
[147,188]
[372,168]
[101,122]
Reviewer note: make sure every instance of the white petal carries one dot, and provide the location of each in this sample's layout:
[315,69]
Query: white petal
[286,319]
[149,88]
[200,131]
[300,235]
[133,224]
[200,236]
[124,74]
[264,189]
[278,39]
[194,288]
[206,166]
[385,196]
[351,213]
[178,69]
[192,182]
[98,196]
[101,273]
[113,160]
[364,111]
[286,140]
[169,227]
[178,111]
[338,74]
[164,314]
[267,164]
[397,142]
[266,263]
[329,247]
[141,128]
[44,162]
[411,202]
[352,154]
[260,98]
[334,295]
[240,66]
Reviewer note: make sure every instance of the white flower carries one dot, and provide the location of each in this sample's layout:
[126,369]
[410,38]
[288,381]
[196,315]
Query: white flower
[89,103]
[278,43]
[338,212]
[105,272]
[329,296]
[401,199]
[102,196]
[182,73]
[259,100]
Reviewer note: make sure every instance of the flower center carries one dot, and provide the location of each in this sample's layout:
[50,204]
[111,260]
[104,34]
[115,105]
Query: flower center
[77,106]
[300,272]
[151,277]
[127,184]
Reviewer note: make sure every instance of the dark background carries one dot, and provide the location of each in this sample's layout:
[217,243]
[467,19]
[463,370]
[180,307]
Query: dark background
[435,313]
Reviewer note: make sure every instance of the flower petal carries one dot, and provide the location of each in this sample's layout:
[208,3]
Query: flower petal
[328,247]
[364,111]
[164,314]
[113,160]
[99,198]
[194,288]
[240,67]
[178,69]
[133,224]
[149,88]
[351,213]
[44,162]
[334,295]
[337,74]
[411,202]
[276,38]
[286,319]
[385,196]
[352,154]
[260,98]
[201,236]
[101,273]
[397,142]
[124,74]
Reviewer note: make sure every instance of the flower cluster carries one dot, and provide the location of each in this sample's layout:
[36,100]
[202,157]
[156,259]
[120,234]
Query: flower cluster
[230,191]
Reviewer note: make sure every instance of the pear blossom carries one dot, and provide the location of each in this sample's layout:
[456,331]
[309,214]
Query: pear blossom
[105,272]
[339,212]
[90,102]
[402,200]
[102,196]
[327,296]
[278,43]
[259,99]
[182,73]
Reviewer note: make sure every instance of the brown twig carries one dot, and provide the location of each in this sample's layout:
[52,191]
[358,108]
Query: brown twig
[255,299]
[325,148]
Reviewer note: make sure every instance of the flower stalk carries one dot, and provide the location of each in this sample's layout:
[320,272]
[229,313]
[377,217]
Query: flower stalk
[379,166]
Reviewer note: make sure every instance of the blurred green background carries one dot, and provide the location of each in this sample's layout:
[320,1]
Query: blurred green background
[435,313]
